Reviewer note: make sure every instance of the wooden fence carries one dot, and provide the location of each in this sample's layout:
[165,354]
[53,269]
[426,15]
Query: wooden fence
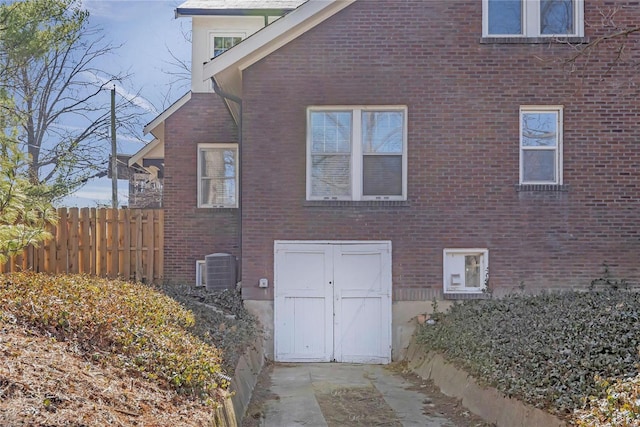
[125,243]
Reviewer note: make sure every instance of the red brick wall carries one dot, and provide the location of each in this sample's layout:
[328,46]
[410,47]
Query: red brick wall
[192,233]
[463,99]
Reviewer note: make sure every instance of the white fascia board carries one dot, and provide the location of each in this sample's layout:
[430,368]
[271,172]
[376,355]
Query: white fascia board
[191,8]
[272,37]
[166,113]
[142,153]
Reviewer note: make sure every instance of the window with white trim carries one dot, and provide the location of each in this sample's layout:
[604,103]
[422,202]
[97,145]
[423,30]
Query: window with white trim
[221,42]
[201,268]
[532,18]
[541,145]
[465,270]
[357,153]
[217,175]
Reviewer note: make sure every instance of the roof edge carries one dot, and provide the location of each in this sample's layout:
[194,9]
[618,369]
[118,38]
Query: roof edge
[274,36]
[166,113]
[190,12]
[143,151]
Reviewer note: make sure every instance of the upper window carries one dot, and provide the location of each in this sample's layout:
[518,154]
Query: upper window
[532,18]
[541,145]
[357,153]
[217,176]
[222,42]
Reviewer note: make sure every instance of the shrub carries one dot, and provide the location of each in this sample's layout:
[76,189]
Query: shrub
[25,213]
[110,320]
[220,319]
[545,349]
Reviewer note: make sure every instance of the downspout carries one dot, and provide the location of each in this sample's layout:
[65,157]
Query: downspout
[238,101]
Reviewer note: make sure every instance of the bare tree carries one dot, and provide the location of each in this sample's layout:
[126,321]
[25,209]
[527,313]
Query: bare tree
[49,54]
[615,40]
[179,68]
[24,213]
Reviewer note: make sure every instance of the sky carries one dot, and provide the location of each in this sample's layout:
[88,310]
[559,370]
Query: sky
[146,30]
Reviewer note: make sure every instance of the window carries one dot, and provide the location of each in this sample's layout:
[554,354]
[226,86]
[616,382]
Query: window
[357,153]
[465,270]
[541,145]
[532,18]
[222,42]
[217,176]
[201,268]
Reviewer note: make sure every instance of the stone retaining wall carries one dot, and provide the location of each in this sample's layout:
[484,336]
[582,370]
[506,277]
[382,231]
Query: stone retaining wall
[246,375]
[235,404]
[487,402]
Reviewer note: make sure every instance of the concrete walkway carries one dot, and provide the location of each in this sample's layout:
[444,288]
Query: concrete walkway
[333,394]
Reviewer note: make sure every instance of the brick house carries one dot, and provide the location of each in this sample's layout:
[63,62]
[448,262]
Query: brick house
[374,156]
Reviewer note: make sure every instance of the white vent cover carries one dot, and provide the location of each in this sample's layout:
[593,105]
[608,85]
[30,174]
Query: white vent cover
[220,271]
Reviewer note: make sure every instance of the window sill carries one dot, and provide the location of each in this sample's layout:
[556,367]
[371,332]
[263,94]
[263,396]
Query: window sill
[542,188]
[466,295]
[534,40]
[356,203]
[216,209]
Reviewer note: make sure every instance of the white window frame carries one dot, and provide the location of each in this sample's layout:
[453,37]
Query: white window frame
[214,34]
[558,109]
[204,147]
[447,270]
[357,152]
[201,273]
[531,21]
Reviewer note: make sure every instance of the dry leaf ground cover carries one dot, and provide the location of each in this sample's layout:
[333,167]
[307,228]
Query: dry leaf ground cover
[44,382]
[81,351]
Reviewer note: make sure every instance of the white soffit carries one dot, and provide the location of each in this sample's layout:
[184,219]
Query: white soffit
[269,39]
[144,151]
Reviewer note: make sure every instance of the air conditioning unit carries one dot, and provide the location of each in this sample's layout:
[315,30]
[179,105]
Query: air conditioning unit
[220,272]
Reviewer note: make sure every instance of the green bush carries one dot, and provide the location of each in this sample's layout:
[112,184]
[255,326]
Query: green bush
[545,349]
[130,324]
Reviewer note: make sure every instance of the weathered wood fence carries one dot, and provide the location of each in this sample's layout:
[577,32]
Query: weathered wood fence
[125,243]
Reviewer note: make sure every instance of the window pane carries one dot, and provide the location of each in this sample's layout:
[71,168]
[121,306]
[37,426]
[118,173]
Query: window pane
[472,271]
[539,166]
[540,129]
[331,132]
[382,132]
[217,193]
[382,176]
[505,17]
[556,17]
[218,177]
[221,44]
[330,175]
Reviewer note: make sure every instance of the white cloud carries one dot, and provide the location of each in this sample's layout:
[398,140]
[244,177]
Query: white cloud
[119,137]
[134,98]
[97,192]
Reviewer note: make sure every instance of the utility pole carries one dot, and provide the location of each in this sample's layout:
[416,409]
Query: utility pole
[114,155]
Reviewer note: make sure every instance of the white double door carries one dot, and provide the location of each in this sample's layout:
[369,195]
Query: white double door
[332,302]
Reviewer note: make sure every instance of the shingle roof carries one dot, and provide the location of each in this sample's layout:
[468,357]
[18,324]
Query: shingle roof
[212,5]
